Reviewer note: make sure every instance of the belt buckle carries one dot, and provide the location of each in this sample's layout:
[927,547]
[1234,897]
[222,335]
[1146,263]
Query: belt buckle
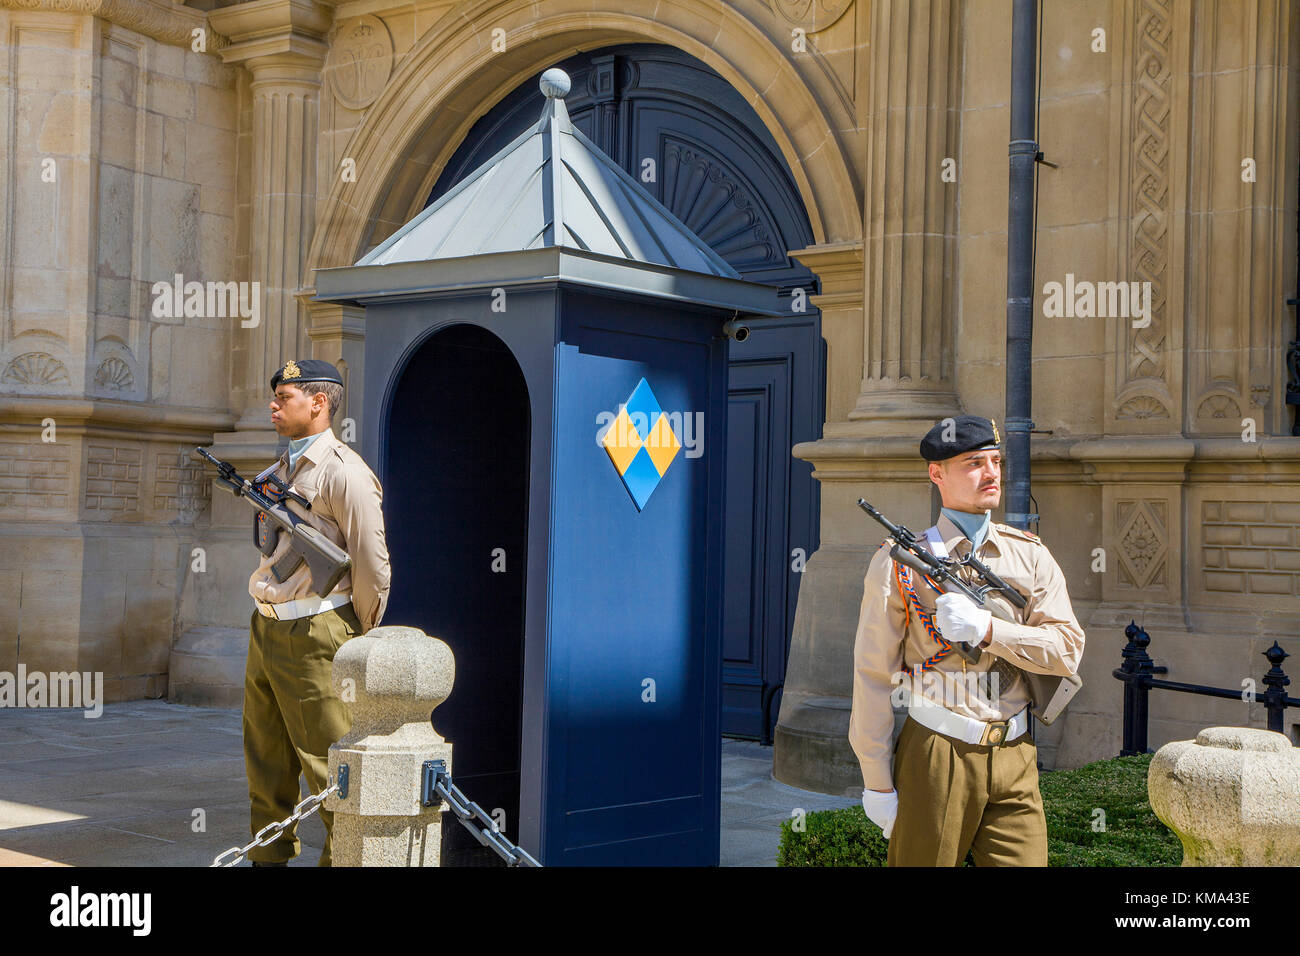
[995,733]
[267,610]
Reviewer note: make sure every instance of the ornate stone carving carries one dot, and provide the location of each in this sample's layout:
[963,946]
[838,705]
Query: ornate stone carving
[115,374]
[1141,376]
[814,15]
[1142,406]
[1141,527]
[716,204]
[1150,183]
[1219,406]
[359,62]
[37,368]
[170,23]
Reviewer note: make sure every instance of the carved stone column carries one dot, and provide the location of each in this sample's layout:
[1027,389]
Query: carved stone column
[839,266]
[1241,207]
[282,45]
[891,327]
[910,220]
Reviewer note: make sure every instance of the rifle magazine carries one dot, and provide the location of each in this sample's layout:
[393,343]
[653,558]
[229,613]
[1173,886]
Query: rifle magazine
[285,567]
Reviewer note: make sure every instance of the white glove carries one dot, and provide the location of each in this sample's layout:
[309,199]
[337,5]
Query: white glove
[960,619]
[881,809]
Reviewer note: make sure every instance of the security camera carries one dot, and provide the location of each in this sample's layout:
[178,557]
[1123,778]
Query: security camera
[734,330]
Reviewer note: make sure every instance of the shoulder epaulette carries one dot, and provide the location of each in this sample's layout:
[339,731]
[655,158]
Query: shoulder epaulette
[1017,533]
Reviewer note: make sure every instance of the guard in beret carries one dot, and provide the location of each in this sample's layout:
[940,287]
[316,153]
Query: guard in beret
[308,370]
[962,774]
[291,713]
[953,436]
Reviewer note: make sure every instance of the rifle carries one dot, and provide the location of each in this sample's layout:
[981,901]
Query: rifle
[326,560]
[1049,692]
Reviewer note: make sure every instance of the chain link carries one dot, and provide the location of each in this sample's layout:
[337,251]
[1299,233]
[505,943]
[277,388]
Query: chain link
[267,835]
[469,813]
[488,833]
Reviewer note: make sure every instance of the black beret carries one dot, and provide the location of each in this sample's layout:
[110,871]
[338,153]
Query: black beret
[308,370]
[956,436]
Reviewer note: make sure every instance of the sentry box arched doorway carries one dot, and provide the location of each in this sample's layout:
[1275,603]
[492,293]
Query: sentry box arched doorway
[545,348]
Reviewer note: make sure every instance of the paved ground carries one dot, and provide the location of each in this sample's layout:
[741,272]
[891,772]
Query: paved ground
[150,783]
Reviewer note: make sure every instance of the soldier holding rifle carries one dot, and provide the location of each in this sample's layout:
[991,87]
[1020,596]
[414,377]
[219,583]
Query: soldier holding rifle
[963,773]
[323,578]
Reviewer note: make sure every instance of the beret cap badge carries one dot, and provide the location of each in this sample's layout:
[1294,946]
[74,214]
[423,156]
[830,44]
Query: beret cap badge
[959,435]
[308,370]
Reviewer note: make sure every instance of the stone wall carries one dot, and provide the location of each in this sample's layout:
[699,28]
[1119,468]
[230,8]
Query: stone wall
[118,172]
[310,131]
[1165,448]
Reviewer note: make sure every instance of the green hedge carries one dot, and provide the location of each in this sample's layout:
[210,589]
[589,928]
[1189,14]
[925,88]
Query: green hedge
[1133,836]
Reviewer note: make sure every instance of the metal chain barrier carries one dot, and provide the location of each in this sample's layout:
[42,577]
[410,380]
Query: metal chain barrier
[437,782]
[436,785]
[267,835]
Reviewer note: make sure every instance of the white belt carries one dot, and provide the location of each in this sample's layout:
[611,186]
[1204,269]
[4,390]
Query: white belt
[303,607]
[968,730]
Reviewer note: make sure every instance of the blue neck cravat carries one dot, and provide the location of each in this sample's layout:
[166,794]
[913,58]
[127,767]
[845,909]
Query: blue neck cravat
[299,445]
[974,526]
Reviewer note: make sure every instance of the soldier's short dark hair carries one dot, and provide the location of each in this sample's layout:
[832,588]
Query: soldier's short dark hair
[332,391]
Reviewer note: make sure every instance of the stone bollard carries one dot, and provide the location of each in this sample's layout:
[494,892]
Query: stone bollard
[392,677]
[1232,796]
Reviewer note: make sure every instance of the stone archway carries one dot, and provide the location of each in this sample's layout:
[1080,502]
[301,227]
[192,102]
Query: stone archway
[452,77]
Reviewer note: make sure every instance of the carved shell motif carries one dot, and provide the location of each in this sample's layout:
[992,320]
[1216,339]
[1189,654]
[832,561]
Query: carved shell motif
[37,368]
[114,373]
[1219,406]
[1143,406]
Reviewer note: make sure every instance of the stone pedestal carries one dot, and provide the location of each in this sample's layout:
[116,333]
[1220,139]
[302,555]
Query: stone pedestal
[392,677]
[1232,795]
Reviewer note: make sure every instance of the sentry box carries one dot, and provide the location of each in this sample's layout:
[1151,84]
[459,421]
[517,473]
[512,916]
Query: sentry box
[544,401]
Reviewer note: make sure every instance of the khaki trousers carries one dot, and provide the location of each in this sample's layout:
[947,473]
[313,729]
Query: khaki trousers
[954,797]
[291,716]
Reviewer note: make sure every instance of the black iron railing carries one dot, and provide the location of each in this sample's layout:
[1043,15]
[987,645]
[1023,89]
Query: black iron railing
[1138,670]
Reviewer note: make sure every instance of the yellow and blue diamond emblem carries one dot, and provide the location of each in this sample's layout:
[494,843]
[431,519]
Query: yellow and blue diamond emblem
[641,443]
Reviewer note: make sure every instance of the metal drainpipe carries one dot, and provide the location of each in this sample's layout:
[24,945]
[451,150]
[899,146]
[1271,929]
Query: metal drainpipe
[1293,350]
[1020,251]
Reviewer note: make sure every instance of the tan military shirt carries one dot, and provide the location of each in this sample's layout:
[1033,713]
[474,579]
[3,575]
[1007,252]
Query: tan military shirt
[1047,640]
[345,504]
